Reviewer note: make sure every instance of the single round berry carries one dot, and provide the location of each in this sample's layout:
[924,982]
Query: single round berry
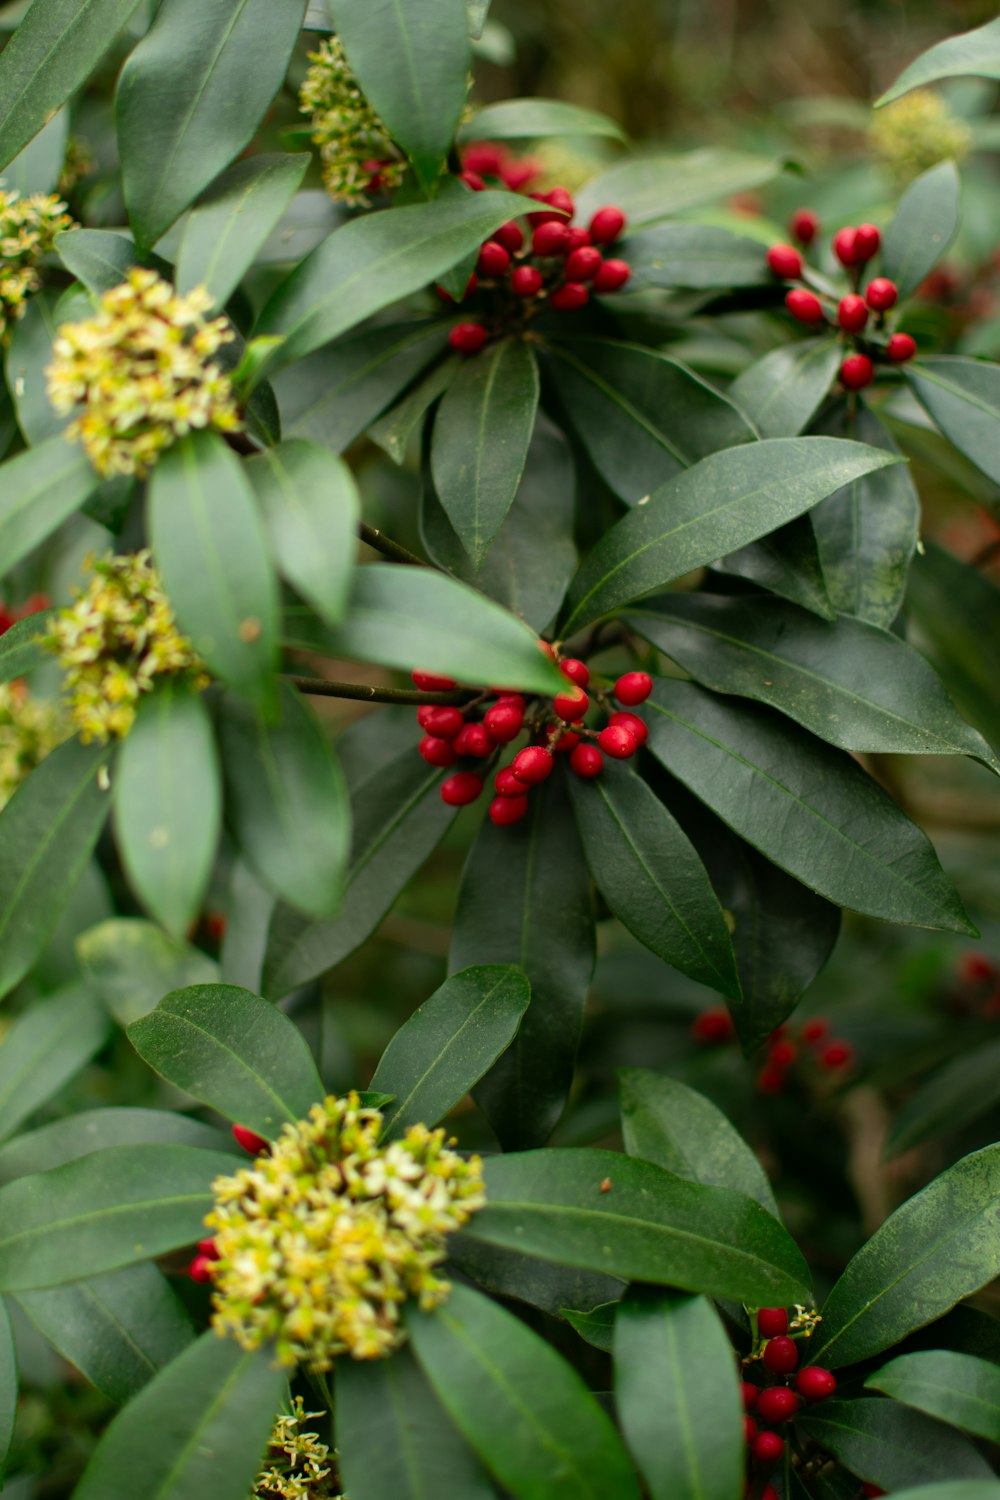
[713,1026]
[844,247]
[606,225]
[618,742]
[781,1355]
[517,174]
[473,740]
[532,764]
[200,1269]
[769,1493]
[803,305]
[511,700]
[468,338]
[503,722]
[445,723]
[551,238]
[576,236]
[867,241]
[852,313]
[881,294]
[431,683]
[750,1394]
[767,1448]
[772,1322]
[586,761]
[437,752]
[836,1055]
[900,348]
[815,1384]
[251,1142]
[749,1429]
[785,261]
[493,260]
[815,1030]
[209,1248]
[612,276]
[777,1404]
[633,687]
[510,236]
[633,724]
[975,968]
[803,226]
[856,372]
[561,198]
[577,671]
[783,1053]
[770,1080]
[461,789]
[570,296]
[507,810]
[472,180]
[483,157]
[567,741]
[571,704]
[506,784]
[583,264]
[526,281]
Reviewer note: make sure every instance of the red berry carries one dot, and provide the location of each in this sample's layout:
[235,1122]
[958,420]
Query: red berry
[437,752]
[750,1394]
[472,180]
[251,1142]
[844,247]
[583,264]
[200,1268]
[900,348]
[803,226]
[770,1080]
[576,236]
[772,1322]
[633,724]
[606,225]
[856,372]
[503,722]
[571,704]
[872,1491]
[473,740]
[509,235]
[852,314]
[526,281]
[767,1448]
[881,294]
[785,261]
[777,1404]
[567,741]
[512,700]
[587,761]
[444,723]
[506,783]
[576,671]
[749,1429]
[781,1355]
[569,297]
[633,688]
[782,1054]
[518,174]
[484,157]
[209,1248]
[533,764]
[467,338]
[551,238]
[462,788]
[769,1493]
[560,198]
[431,682]
[836,1055]
[612,276]
[975,968]
[493,260]
[814,1383]
[713,1026]
[618,742]
[866,242]
[815,1030]
[803,305]
[507,810]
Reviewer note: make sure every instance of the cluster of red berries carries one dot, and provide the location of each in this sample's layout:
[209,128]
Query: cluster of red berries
[770,1406]
[200,1269]
[813,1043]
[452,734]
[559,267]
[854,247]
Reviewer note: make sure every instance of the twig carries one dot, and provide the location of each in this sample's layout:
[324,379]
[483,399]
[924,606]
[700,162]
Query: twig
[322,687]
[388,548]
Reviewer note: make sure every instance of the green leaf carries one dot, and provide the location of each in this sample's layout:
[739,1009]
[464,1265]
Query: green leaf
[117,1329]
[888,1444]
[958,1489]
[956,1388]
[44,1048]
[212,553]
[658,187]
[651,877]
[957,612]
[197,1432]
[29,353]
[130,964]
[480,442]
[678,1397]
[109,1209]
[191,96]
[412,67]
[92,1129]
[808,807]
[231,221]
[449,1043]
[665,1122]
[723,502]
[398,818]
[168,804]
[965,1089]
[853,684]
[40,488]
[974,54]
[963,397]
[648,1225]
[375,260]
[20,651]
[395,1439]
[597,1327]
[939,1247]
[530,119]
[538,1283]
[396,428]
[233,1051]
[54,50]
[97,258]
[781,392]
[641,416]
[700,256]
[38,167]
[524,1410]
[926,222]
[48,831]
[545,924]
[8,1385]
[787,563]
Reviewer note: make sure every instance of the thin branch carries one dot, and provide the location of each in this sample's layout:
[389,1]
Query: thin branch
[388,548]
[322,687]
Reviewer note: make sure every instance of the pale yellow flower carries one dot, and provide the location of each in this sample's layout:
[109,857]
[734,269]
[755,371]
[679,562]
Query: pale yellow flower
[28,227]
[915,133]
[29,729]
[297,1465]
[354,144]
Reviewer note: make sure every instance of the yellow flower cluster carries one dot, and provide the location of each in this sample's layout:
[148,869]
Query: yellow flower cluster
[28,227]
[354,145]
[116,638]
[916,132]
[29,729]
[141,371]
[321,1242]
[297,1465]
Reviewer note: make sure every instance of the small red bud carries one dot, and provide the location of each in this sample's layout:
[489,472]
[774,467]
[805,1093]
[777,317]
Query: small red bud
[815,1030]
[633,688]
[473,740]
[576,237]
[713,1026]
[772,1322]
[507,810]
[494,259]
[510,236]
[209,1248]
[804,306]
[814,1383]
[431,683]
[900,348]
[567,741]
[777,1404]
[881,294]
[445,723]
[782,1054]
[586,761]
[844,247]
[485,158]
[856,372]
[749,1429]
[612,276]
[559,197]
[570,296]
[750,1394]
[532,764]
[836,1055]
[577,671]
[526,281]
[571,704]
[867,240]
[583,264]
[785,261]
[437,752]
[551,238]
[767,1448]
[852,313]
[606,225]
[251,1142]
[633,724]
[472,180]
[467,338]
[804,226]
[200,1269]
[781,1355]
[503,722]
[461,789]
[506,784]
[618,742]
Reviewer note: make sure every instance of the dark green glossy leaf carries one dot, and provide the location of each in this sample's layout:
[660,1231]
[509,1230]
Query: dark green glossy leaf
[957,1489]
[808,807]
[963,1090]
[648,1225]
[955,1388]
[396,428]
[523,1409]
[130,964]
[963,397]
[665,1122]
[538,1283]
[973,54]
[93,1129]
[190,97]
[723,502]
[596,1327]
[545,924]
[700,256]
[44,1048]
[889,1444]
[20,652]
[782,390]
[97,258]
[8,1385]
[957,612]
[926,222]
[233,1051]
[212,552]
[658,187]
[39,489]
[939,1247]
[38,167]
[526,119]
[449,1043]
[231,221]
[28,355]
[481,435]
[651,877]
[677,1396]
[787,563]
[168,804]
[197,1432]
